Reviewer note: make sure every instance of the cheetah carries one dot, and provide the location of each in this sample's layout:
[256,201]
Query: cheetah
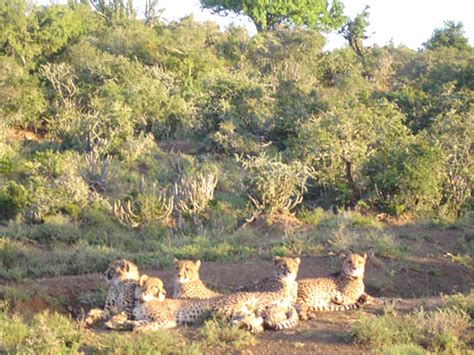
[286,270]
[251,311]
[340,291]
[153,311]
[188,283]
[122,276]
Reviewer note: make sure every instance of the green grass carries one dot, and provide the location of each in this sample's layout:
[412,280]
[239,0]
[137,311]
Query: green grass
[53,333]
[440,330]
[217,333]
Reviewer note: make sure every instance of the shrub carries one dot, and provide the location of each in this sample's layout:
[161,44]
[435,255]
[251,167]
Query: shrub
[462,302]
[438,330]
[275,186]
[146,205]
[163,342]
[46,333]
[218,333]
[13,199]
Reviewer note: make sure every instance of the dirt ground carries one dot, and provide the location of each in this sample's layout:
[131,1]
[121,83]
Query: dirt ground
[419,279]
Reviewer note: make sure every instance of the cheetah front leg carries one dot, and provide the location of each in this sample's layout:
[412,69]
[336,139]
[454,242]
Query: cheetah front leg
[280,316]
[146,326]
[366,299]
[96,315]
[119,322]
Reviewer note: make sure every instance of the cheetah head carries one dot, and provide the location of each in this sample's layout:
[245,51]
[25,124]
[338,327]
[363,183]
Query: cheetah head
[187,270]
[149,289]
[353,265]
[286,267]
[121,270]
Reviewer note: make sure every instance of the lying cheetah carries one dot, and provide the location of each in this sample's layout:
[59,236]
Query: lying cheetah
[285,273]
[155,312]
[188,283]
[122,276]
[343,290]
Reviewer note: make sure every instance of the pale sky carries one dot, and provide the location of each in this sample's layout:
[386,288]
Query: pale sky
[407,22]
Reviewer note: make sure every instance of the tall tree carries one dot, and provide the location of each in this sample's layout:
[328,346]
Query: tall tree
[315,14]
[354,31]
[451,35]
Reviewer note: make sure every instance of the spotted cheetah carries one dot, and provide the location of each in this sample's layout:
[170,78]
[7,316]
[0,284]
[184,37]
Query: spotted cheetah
[251,311]
[286,270]
[340,291]
[188,283]
[153,311]
[122,276]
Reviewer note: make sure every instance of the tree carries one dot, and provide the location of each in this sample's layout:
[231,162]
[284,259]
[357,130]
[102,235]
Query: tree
[354,31]
[451,35]
[266,14]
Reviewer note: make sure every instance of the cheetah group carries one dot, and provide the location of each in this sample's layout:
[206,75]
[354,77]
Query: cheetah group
[140,303]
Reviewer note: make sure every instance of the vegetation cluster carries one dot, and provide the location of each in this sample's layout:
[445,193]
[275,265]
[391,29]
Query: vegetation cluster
[130,137]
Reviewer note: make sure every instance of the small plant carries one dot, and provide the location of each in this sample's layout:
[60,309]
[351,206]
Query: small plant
[220,334]
[194,193]
[275,186]
[462,302]
[164,342]
[94,168]
[50,333]
[13,198]
[312,217]
[439,330]
[149,205]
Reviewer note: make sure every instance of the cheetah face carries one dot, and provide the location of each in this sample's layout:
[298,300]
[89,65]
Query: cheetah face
[121,270]
[149,289]
[353,265]
[187,270]
[286,267]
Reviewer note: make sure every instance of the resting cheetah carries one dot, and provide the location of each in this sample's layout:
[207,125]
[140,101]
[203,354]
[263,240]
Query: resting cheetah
[286,272]
[122,276]
[341,291]
[252,311]
[188,283]
[154,312]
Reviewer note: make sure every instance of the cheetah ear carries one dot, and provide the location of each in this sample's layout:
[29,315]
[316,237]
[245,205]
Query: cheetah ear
[365,256]
[142,280]
[343,255]
[276,258]
[176,261]
[126,265]
[298,260]
[197,263]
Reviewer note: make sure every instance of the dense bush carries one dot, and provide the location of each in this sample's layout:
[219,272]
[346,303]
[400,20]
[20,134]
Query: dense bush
[114,98]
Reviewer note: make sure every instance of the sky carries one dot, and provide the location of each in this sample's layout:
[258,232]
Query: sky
[405,22]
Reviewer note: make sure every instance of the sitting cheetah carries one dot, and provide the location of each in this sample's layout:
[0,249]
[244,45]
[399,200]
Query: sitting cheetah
[122,276]
[188,283]
[341,291]
[154,312]
[285,273]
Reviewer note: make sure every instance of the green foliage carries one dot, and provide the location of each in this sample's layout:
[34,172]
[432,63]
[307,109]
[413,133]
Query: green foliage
[354,31]
[218,333]
[451,35]
[22,99]
[438,331]
[13,198]
[413,180]
[163,342]
[274,186]
[462,302]
[267,14]
[46,333]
